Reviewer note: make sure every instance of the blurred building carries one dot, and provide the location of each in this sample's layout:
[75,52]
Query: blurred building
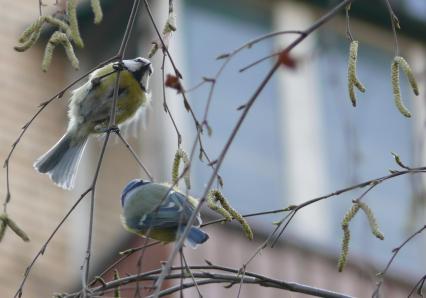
[302,139]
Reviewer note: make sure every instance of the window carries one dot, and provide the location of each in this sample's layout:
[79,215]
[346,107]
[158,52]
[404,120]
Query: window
[359,144]
[303,138]
[252,170]
[416,8]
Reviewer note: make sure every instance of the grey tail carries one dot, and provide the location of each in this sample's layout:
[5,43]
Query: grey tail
[61,161]
[196,237]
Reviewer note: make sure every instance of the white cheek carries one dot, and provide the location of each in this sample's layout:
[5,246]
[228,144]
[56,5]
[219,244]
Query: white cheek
[132,65]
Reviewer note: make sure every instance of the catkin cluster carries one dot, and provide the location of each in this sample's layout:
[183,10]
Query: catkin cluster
[344,251]
[218,203]
[67,32]
[181,155]
[397,63]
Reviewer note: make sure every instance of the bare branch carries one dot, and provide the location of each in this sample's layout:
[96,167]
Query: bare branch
[395,251]
[203,276]
[234,132]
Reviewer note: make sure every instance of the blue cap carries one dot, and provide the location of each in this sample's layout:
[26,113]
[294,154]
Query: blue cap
[130,186]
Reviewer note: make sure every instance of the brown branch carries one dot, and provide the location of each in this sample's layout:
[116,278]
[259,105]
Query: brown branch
[111,127]
[234,132]
[289,216]
[165,105]
[43,248]
[394,20]
[325,18]
[206,274]
[133,153]
[418,287]
[42,106]
[376,181]
[125,254]
[164,47]
[348,23]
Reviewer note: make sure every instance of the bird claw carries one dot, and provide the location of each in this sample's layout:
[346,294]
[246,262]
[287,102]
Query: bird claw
[114,129]
[102,129]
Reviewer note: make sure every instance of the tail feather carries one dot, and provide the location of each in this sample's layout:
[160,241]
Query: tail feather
[60,163]
[196,237]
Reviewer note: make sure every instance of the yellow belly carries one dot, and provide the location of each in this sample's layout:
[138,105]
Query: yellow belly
[128,101]
[164,235]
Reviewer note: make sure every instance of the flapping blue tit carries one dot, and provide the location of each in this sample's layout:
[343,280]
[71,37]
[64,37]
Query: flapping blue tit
[89,113]
[149,211]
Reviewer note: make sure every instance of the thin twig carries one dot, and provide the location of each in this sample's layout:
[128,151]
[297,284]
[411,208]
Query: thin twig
[43,248]
[394,19]
[221,220]
[360,185]
[225,278]
[111,126]
[267,57]
[306,32]
[418,287]
[127,254]
[243,275]
[25,127]
[86,265]
[192,276]
[348,23]
[40,4]
[251,43]
[135,156]
[148,8]
[234,132]
[233,278]
[165,106]
[268,239]
[395,251]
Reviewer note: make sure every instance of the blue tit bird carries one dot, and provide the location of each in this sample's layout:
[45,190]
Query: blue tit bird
[151,210]
[89,113]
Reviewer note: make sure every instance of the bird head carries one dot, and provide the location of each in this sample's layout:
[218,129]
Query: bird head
[131,186]
[141,69]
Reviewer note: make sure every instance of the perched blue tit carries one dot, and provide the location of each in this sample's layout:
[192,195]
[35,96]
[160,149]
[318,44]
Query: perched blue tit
[150,210]
[89,113]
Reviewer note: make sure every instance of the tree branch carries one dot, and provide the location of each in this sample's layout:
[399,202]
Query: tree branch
[247,108]
[210,277]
